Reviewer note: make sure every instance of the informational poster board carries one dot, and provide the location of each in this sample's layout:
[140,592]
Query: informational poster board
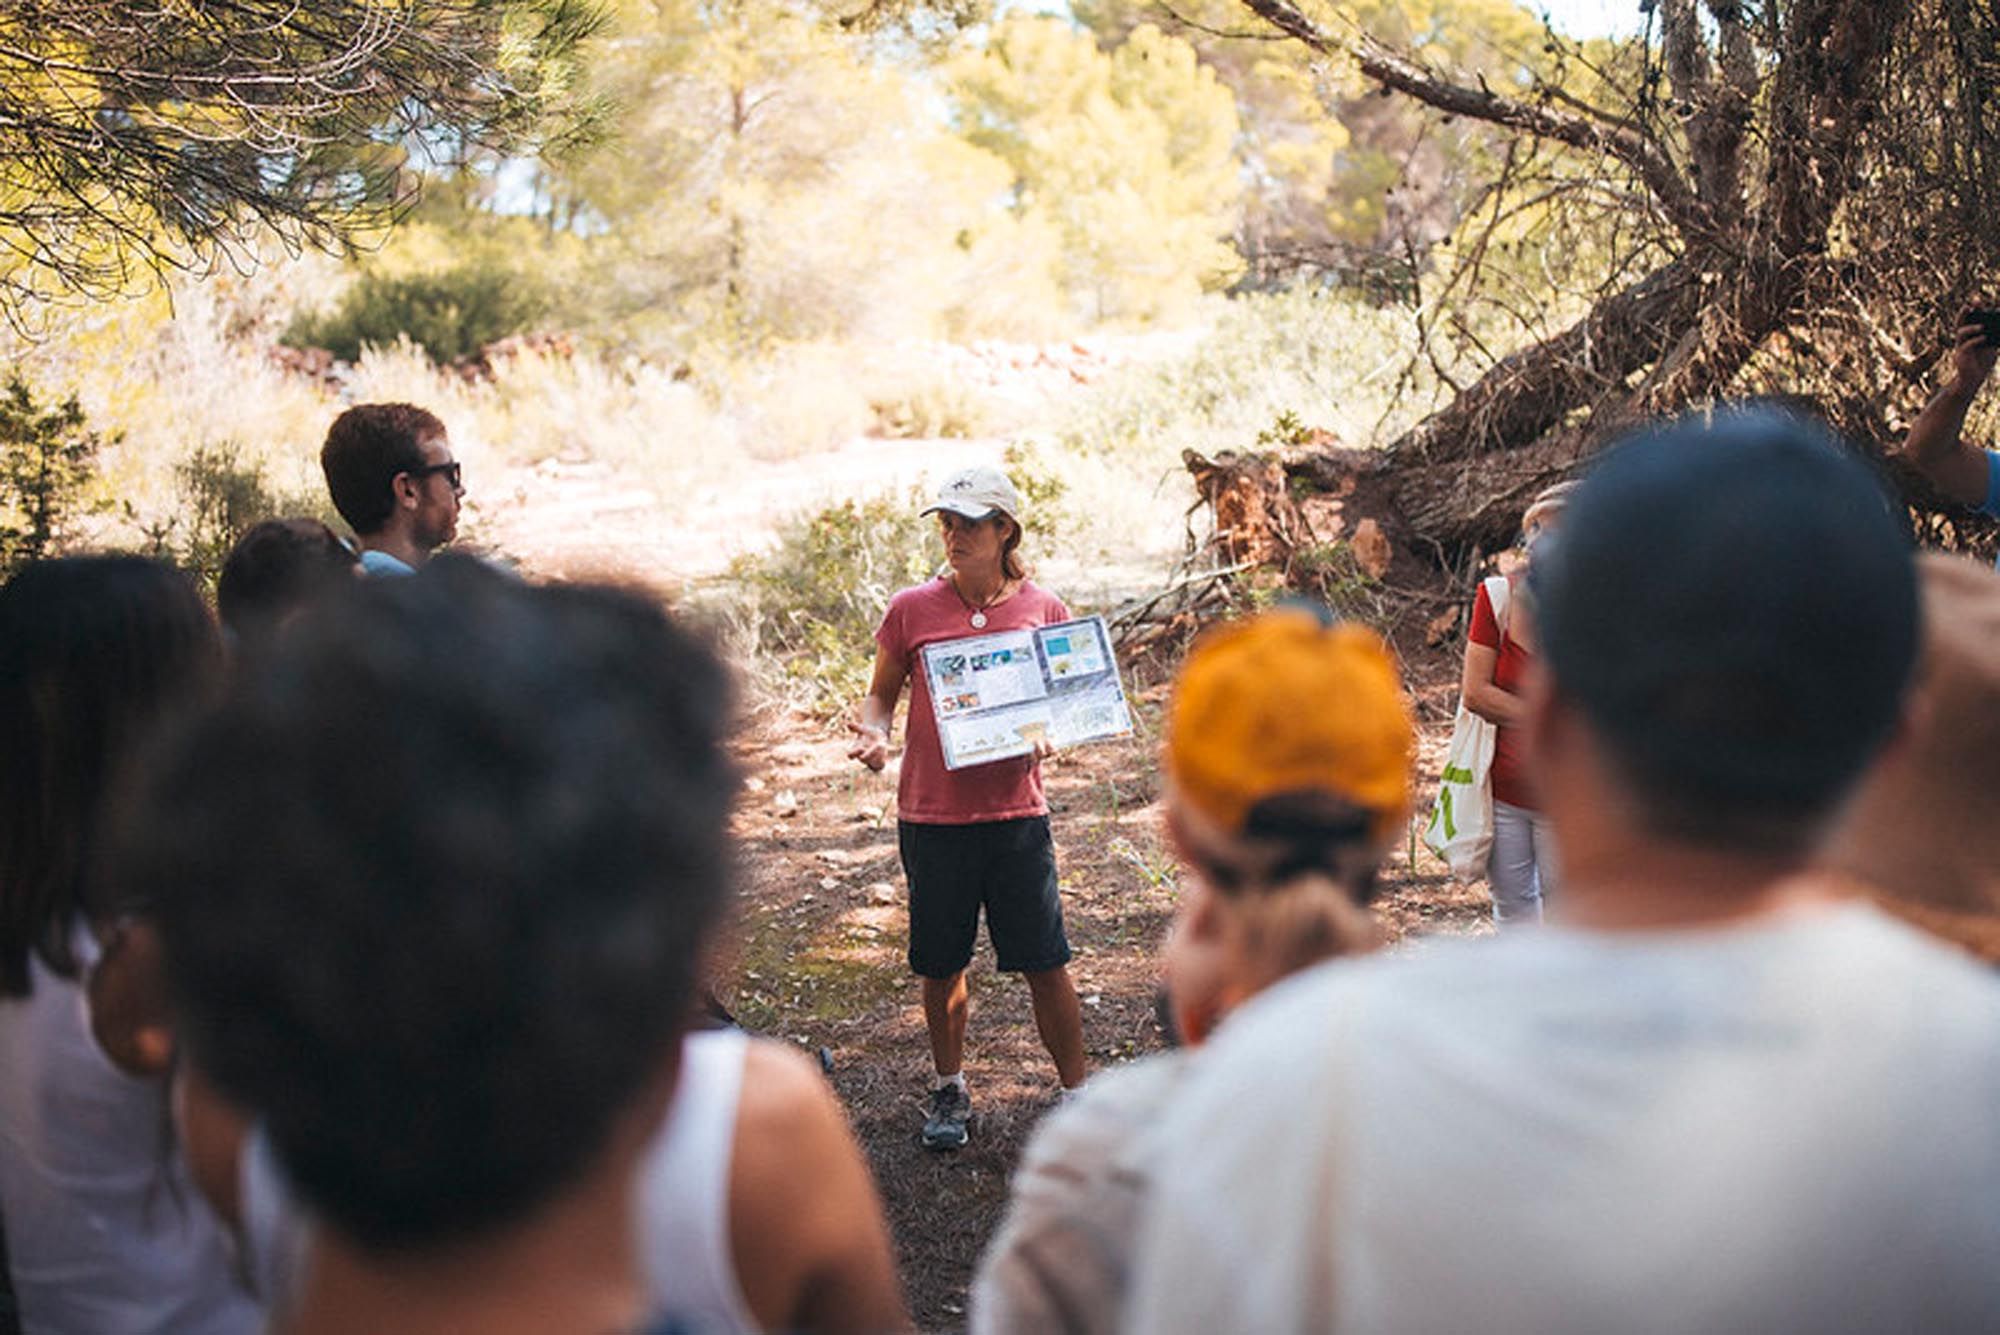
[995,695]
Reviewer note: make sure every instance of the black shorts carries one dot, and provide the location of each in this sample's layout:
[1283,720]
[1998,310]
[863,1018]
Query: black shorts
[1009,866]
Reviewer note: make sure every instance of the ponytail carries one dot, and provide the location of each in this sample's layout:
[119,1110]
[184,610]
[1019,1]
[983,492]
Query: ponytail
[1011,565]
[1298,834]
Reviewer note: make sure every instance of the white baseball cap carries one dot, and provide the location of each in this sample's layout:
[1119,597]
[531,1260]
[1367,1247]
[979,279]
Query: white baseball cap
[976,493]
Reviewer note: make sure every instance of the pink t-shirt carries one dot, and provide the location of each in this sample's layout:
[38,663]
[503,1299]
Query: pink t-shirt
[930,794]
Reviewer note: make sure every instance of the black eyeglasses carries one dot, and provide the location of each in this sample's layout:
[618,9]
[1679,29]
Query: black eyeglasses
[451,470]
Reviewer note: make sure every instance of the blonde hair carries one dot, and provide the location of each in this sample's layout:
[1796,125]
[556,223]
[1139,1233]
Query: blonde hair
[1548,501]
[1280,930]
[1284,913]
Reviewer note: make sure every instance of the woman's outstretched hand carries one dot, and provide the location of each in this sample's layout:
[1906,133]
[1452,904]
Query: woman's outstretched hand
[871,745]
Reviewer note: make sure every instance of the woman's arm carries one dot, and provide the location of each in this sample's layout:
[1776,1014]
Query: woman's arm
[878,708]
[1481,696]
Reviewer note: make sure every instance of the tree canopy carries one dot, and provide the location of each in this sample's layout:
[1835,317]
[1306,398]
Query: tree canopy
[1338,181]
[137,135]
[1127,154]
[779,176]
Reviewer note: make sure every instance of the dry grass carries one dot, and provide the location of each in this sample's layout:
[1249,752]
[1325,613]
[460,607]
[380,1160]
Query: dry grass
[198,365]
[1104,418]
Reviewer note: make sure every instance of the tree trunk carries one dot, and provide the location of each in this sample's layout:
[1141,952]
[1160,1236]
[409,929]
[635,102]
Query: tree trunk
[1534,390]
[1459,479]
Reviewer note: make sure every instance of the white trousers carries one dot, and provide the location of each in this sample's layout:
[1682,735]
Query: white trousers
[1521,871]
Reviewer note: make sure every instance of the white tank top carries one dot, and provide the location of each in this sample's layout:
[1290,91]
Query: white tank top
[682,1198]
[684,1190]
[106,1234]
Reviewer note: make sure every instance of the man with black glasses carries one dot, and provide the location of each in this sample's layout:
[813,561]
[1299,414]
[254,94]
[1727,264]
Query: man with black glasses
[390,469]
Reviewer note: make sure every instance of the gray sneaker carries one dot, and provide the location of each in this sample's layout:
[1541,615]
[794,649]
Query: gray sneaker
[944,1129]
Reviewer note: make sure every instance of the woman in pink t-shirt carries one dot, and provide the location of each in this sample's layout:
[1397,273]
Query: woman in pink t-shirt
[976,837]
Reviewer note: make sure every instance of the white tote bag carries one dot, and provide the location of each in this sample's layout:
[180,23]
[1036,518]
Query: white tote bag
[1461,825]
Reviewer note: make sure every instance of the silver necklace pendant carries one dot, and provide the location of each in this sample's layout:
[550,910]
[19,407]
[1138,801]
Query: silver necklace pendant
[979,620]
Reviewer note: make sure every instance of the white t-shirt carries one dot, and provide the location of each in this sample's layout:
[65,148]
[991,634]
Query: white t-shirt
[1789,1126]
[106,1234]
[682,1199]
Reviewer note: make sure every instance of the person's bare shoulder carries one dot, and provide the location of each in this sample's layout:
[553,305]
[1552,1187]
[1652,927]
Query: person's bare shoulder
[806,1226]
[779,1082]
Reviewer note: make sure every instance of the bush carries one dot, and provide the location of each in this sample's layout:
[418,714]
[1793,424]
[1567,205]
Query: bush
[48,458]
[453,314]
[811,604]
[795,399]
[924,403]
[1333,574]
[220,496]
[1042,490]
[1329,360]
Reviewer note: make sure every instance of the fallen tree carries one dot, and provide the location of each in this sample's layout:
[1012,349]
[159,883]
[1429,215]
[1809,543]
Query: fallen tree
[1801,197]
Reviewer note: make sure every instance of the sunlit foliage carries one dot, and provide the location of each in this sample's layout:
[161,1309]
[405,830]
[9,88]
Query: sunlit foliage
[136,136]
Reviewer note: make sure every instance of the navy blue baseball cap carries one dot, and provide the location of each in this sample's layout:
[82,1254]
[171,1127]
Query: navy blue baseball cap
[1731,601]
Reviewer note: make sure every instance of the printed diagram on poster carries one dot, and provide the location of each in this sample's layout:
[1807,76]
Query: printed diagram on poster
[996,695]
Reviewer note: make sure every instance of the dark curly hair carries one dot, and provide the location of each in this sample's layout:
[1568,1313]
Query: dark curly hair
[432,884]
[365,448]
[94,651]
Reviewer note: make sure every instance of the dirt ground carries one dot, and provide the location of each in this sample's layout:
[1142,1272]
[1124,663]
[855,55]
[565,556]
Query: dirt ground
[819,961]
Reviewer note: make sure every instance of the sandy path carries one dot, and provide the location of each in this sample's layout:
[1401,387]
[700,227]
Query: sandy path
[573,518]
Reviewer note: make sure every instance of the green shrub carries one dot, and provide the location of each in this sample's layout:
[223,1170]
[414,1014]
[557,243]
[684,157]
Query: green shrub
[809,606]
[1286,432]
[453,314]
[47,461]
[1332,573]
[1042,490]
[219,496]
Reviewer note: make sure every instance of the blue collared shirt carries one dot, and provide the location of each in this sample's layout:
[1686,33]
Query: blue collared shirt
[381,563]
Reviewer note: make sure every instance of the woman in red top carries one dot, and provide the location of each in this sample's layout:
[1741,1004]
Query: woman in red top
[1521,871]
[976,837]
